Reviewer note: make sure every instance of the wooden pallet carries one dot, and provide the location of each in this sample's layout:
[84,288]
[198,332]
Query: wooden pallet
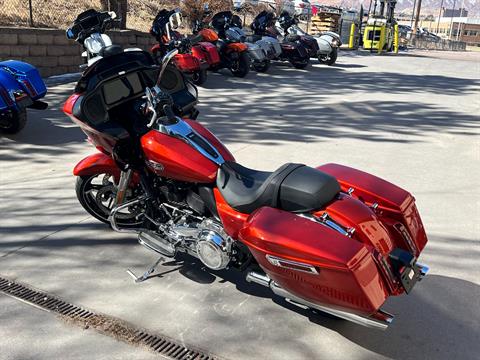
[325,22]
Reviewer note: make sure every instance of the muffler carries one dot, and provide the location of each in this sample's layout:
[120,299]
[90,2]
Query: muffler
[380,320]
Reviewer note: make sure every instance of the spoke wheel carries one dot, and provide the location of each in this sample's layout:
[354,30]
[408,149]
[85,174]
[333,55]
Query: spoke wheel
[96,193]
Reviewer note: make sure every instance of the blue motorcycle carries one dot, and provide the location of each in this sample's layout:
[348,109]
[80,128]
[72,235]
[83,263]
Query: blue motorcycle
[21,87]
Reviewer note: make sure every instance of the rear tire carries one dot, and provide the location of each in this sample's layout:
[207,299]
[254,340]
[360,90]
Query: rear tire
[242,67]
[300,64]
[14,123]
[93,197]
[261,66]
[330,59]
[199,77]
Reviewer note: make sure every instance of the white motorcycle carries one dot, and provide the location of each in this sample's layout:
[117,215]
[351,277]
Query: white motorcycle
[89,30]
[328,42]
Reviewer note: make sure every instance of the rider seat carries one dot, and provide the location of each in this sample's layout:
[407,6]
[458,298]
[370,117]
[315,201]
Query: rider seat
[292,187]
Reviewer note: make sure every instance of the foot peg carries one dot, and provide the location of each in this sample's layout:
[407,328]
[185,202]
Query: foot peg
[154,242]
[146,274]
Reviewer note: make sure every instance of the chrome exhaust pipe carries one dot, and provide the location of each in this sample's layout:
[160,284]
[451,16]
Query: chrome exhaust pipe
[380,320]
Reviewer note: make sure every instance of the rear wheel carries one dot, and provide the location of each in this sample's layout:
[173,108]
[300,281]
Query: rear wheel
[329,59]
[96,193]
[199,77]
[300,63]
[262,66]
[241,66]
[13,122]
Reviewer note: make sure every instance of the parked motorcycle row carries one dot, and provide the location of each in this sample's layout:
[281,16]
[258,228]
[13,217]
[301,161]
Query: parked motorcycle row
[223,43]
[330,238]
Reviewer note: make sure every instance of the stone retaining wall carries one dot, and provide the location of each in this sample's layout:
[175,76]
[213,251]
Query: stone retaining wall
[52,53]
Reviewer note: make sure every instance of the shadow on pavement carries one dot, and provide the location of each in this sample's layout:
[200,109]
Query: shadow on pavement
[436,315]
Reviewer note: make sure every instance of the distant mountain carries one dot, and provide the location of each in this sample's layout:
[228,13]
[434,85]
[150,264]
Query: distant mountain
[429,7]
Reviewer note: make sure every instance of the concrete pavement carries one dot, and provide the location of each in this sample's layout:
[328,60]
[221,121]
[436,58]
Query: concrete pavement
[412,119]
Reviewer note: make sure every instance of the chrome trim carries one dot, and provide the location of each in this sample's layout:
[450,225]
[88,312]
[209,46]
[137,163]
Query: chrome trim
[350,191]
[182,130]
[379,320]
[276,261]
[116,209]
[258,278]
[325,220]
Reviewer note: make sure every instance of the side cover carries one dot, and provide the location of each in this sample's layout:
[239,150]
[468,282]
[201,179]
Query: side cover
[328,268]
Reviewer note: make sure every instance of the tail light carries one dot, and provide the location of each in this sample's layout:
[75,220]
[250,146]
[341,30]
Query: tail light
[29,87]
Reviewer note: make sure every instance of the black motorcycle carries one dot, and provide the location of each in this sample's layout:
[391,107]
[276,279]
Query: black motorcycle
[293,49]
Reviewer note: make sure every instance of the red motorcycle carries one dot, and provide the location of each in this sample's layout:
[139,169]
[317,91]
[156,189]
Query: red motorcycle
[194,57]
[330,238]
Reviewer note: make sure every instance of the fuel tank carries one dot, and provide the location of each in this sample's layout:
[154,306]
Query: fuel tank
[173,158]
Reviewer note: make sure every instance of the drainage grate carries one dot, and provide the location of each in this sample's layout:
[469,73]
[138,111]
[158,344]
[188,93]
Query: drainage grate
[104,324]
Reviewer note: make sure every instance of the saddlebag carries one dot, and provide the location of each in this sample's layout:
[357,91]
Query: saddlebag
[314,262]
[394,206]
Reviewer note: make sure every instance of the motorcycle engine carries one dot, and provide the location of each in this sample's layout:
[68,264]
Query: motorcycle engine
[214,246]
[205,240]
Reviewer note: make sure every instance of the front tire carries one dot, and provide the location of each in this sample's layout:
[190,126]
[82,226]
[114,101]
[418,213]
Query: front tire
[241,66]
[262,66]
[329,59]
[14,122]
[199,77]
[96,193]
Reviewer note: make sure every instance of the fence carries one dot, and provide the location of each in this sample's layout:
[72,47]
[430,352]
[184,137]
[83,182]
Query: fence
[134,14]
[60,14]
[432,44]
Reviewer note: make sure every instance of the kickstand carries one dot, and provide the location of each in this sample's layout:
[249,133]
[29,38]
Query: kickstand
[146,274]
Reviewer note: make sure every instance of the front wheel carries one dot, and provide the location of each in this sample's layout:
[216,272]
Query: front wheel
[300,64]
[97,193]
[262,66]
[199,77]
[330,58]
[241,66]
[12,123]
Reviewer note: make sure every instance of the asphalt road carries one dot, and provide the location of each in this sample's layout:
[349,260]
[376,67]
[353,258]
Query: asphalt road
[412,119]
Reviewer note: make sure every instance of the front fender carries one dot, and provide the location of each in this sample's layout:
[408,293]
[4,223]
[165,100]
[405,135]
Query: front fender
[98,163]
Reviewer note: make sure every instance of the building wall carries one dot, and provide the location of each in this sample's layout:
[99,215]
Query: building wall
[52,53]
[469,33]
